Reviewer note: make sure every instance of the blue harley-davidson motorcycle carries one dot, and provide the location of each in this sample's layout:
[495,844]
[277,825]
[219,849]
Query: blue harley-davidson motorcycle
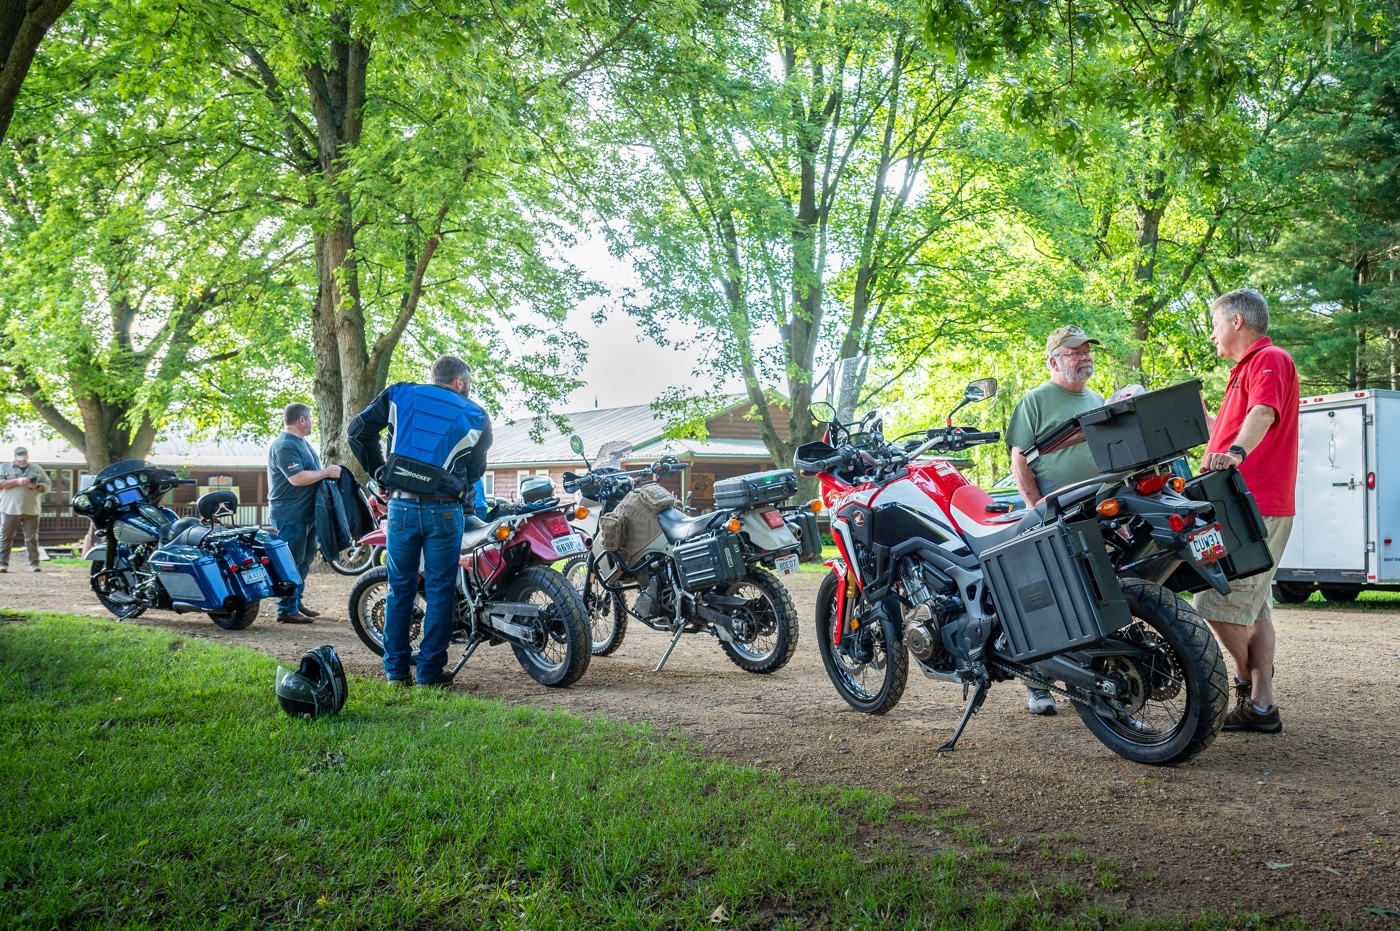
[150,557]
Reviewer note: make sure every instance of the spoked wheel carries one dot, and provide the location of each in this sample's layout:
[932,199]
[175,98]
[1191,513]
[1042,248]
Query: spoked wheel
[105,587]
[237,619]
[1173,696]
[869,667]
[561,653]
[368,599]
[607,613]
[357,559]
[765,627]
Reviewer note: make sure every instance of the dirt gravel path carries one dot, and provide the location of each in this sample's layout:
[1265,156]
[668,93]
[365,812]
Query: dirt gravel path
[1305,824]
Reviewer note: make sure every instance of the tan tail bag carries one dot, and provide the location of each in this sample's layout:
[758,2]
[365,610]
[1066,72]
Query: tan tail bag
[630,528]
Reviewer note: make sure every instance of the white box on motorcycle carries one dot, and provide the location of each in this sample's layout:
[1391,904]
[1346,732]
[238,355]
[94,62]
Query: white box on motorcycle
[754,489]
[1054,589]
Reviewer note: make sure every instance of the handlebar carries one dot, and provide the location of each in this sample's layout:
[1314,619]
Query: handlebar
[889,457]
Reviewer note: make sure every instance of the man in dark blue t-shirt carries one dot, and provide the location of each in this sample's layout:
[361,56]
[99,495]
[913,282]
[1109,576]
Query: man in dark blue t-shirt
[293,471]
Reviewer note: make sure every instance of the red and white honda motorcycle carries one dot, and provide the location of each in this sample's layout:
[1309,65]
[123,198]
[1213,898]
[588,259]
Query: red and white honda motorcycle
[931,567]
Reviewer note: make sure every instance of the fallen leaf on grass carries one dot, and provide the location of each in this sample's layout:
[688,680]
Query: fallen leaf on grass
[719,916]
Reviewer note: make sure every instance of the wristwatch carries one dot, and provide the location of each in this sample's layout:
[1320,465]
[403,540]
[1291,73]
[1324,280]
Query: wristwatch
[1237,450]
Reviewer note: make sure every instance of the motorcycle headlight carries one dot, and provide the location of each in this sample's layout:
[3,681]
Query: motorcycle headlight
[82,504]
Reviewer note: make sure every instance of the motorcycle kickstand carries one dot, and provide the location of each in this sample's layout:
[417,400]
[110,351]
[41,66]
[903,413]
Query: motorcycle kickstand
[466,655]
[675,638]
[979,694]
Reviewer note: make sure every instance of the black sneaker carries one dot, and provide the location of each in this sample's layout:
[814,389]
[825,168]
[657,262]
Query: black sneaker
[1248,718]
[436,682]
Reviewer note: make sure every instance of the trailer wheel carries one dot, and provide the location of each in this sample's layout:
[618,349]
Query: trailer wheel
[1291,593]
[1340,594]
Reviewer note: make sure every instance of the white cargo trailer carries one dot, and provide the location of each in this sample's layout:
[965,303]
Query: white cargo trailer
[1346,535]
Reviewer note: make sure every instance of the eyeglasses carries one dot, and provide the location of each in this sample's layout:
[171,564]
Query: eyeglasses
[1083,353]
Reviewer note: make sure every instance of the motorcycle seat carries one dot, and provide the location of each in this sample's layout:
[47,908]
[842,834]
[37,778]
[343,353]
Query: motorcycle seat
[677,526]
[187,531]
[1065,497]
[475,537]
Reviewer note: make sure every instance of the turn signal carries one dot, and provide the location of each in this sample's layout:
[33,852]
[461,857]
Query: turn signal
[580,513]
[1178,523]
[502,532]
[816,505]
[1108,507]
[733,525]
[1178,484]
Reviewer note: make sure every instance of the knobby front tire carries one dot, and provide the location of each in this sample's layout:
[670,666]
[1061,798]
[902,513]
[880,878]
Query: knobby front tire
[870,668]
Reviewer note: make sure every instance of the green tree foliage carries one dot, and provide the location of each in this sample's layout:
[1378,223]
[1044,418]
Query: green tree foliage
[141,279]
[784,177]
[1334,257]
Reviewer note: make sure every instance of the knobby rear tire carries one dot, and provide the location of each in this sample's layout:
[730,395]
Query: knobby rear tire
[772,608]
[888,665]
[1187,663]
[567,649]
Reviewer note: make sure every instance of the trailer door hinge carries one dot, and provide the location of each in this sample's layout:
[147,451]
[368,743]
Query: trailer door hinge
[1370,419]
[1371,546]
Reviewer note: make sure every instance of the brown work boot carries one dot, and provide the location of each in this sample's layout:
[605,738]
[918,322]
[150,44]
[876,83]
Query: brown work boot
[297,618]
[1248,718]
[1243,689]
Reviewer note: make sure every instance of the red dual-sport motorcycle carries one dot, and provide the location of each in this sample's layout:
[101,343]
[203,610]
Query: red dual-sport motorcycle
[931,568]
[507,592]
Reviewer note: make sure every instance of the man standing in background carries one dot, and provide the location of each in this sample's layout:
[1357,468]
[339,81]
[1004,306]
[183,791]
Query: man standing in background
[1070,358]
[293,471]
[22,484]
[1255,431]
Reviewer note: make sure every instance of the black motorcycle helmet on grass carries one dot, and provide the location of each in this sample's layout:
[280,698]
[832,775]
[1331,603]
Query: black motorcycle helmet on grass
[315,687]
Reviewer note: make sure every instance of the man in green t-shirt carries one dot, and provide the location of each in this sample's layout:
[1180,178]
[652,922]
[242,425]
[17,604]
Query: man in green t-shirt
[1069,355]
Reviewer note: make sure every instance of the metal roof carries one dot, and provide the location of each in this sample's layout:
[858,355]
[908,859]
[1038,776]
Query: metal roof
[511,444]
[204,454]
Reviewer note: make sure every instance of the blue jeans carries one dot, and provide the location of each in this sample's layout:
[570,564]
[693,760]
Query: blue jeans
[300,537]
[432,530]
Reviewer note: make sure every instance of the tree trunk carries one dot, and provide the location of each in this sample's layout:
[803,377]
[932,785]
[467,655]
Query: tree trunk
[23,25]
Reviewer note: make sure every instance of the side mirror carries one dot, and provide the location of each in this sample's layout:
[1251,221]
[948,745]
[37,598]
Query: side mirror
[822,412]
[980,390]
[576,444]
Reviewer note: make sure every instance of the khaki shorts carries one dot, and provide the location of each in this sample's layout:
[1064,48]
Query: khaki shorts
[1250,599]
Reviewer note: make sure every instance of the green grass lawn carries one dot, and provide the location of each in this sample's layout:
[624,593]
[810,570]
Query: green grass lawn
[150,781]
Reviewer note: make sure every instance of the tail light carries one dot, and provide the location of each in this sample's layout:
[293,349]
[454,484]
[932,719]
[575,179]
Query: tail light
[773,519]
[1179,523]
[1108,507]
[1152,484]
[265,561]
[558,526]
[1371,480]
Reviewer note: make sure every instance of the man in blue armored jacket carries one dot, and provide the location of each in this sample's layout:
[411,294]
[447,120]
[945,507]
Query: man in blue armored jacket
[438,440]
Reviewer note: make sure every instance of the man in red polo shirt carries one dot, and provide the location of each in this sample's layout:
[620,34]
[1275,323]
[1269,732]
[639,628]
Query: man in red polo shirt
[1256,430]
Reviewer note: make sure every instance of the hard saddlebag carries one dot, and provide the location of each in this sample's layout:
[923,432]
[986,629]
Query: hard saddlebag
[1245,536]
[191,576]
[754,489]
[709,561]
[1055,590]
[809,535]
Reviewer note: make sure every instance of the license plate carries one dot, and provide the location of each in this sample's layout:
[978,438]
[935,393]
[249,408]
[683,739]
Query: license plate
[1207,545]
[787,565]
[569,546]
[255,576]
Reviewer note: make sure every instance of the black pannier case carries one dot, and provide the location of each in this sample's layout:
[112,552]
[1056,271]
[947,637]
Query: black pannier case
[709,561]
[1147,428]
[808,533]
[1241,526]
[1054,590]
[754,489]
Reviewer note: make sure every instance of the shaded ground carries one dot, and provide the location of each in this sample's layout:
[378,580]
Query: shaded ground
[1305,823]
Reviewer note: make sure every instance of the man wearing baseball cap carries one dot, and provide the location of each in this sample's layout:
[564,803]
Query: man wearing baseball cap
[21,485]
[1070,358]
